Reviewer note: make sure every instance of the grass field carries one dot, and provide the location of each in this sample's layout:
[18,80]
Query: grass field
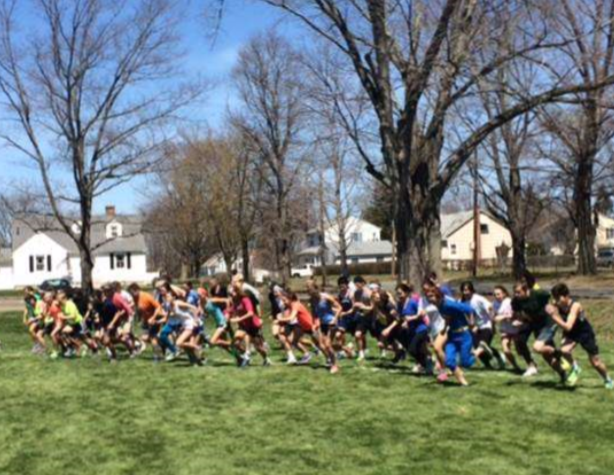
[137,417]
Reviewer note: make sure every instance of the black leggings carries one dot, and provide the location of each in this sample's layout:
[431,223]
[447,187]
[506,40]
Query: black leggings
[415,343]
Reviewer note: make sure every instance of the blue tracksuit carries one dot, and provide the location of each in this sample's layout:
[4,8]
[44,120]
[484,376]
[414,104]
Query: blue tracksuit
[460,342]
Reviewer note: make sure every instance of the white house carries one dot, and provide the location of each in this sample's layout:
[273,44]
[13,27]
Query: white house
[42,251]
[605,232]
[363,241]
[457,234]
[216,265]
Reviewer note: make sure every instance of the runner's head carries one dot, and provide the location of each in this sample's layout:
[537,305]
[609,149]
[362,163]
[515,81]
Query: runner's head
[434,295]
[28,291]
[343,283]
[404,291]
[359,282]
[521,290]
[467,290]
[62,296]
[529,279]
[48,297]
[108,290]
[500,293]
[561,295]
[134,290]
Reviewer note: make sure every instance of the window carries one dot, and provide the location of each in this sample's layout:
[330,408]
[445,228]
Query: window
[609,233]
[444,243]
[356,237]
[120,261]
[484,228]
[40,263]
[114,231]
[453,249]
[354,260]
[380,259]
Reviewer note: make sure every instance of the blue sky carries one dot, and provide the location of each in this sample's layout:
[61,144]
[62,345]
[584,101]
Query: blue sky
[214,60]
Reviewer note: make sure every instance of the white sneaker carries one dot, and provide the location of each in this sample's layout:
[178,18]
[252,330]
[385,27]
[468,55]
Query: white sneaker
[531,371]
[291,360]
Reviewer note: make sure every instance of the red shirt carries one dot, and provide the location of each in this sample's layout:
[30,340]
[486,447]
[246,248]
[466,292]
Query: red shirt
[121,304]
[303,316]
[243,308]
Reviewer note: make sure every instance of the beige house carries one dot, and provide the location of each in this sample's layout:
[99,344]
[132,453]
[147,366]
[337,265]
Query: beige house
[457,233]
[605,232]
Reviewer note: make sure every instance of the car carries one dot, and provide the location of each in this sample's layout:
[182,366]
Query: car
[302,271]
[55,284]
[605,258]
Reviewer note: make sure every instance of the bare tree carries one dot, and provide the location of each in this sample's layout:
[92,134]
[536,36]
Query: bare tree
[82,92]
[269,82]
[416,64]
[5,224]
[584,127]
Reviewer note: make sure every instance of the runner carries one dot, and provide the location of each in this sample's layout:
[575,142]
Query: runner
[182,319]
[326,308]
[243,313]
[307,326]
[532,306]
[508,327]
[148,311]
[414,331]
[459,318]
[483,331]
[577,330]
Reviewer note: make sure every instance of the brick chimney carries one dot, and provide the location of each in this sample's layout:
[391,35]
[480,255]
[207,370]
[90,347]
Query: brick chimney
[110,212]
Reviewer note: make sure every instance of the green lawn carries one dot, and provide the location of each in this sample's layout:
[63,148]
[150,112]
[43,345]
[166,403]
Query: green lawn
[137,417]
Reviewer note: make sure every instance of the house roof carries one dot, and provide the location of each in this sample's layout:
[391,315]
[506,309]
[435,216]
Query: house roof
[132,239]
[355,249]
[6,256]
[370,248]
[450,223]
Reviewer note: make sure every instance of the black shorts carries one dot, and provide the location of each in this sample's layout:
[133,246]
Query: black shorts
[584,336]
[76,329]
[484,335]
[348,324]
[327,328]
[253,332]
[543,332]
[153,330]
[48,328]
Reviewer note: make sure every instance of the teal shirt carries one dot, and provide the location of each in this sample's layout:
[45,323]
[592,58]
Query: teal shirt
[214,312]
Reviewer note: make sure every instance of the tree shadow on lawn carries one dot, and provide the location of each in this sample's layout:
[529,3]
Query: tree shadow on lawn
[542,385]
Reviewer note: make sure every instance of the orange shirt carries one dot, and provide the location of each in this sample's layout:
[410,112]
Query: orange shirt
[146,306]
[304,317]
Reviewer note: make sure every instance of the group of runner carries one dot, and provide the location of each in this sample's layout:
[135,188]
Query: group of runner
[443,336]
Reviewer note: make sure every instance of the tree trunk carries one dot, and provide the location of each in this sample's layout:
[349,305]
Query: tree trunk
[585,227]
[85,250]
[519,260]
[343,252]
[245,260]
[87,270]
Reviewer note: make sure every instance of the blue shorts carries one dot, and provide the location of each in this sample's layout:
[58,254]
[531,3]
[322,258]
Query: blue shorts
[349,323]
[459,344]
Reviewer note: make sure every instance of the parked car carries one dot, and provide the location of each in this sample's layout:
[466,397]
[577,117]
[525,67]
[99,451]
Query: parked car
[605,258]
[302,271]
[55,284]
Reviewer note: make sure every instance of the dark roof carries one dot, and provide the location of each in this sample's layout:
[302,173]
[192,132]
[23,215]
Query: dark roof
[132,239]
[355,249]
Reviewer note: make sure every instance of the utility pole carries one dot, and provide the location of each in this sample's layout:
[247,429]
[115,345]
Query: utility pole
[476,217]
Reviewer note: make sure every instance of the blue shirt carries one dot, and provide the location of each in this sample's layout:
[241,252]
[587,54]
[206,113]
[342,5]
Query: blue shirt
[410,309]
[193,298]
[455,313]
[324,311]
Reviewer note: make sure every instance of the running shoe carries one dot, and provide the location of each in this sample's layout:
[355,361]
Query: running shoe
[442,377]
[565,366]
[291,360]
[572,378]
[305,359]
[266,363]
[530,372]
[244,362]
[170,357]
[54,355]
[401,355]
[609,384]
[334,369]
